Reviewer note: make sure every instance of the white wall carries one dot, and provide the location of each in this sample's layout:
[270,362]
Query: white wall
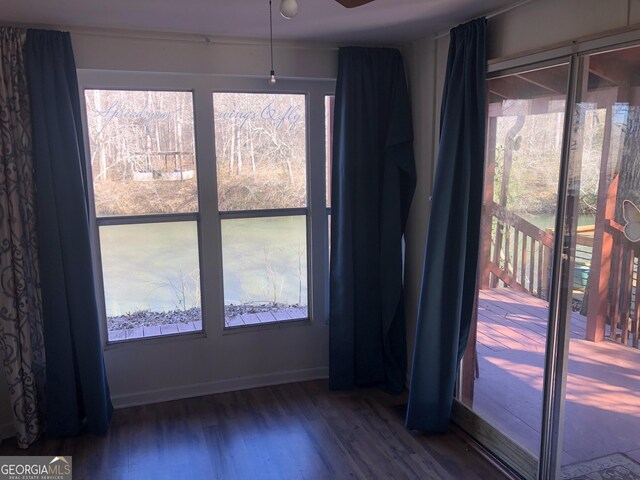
[533,26]
[543,23]
[132,51]
[424,60]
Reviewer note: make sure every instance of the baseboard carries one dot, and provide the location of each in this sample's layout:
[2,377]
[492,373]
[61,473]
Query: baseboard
[218,386]
[7,431]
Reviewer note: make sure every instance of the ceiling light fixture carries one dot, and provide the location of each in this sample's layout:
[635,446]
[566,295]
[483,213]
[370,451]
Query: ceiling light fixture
[289,8]
[272,78]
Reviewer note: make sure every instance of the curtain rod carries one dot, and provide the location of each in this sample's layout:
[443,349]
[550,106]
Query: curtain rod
[173,37]
[489,15]
[199,38]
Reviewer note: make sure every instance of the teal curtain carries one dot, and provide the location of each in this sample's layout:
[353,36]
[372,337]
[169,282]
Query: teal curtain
[77,393]
[373,180]
[449,276]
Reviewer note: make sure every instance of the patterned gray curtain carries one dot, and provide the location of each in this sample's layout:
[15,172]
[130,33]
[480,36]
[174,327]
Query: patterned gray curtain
[21,323]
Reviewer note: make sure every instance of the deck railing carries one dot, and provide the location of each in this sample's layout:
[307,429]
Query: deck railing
[583,254]
[519,255]
[624,290]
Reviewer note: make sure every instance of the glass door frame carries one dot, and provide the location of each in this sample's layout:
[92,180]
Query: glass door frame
[548,463]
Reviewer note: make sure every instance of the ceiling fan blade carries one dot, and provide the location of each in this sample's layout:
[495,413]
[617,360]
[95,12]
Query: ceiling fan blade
[353,3]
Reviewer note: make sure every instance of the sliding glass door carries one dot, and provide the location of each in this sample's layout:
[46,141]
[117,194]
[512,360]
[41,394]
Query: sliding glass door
[602,402]
[550,382]
[503,370]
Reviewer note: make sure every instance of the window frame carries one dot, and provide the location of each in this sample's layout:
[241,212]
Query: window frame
[208,217]
[329,104]
[96,222]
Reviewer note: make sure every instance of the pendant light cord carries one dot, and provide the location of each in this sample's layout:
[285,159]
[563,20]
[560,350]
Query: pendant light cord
[271,34]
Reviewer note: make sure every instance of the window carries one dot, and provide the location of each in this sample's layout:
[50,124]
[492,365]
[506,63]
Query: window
[142,152]
[261,166]
[142,157]
[210,202]
[329,103]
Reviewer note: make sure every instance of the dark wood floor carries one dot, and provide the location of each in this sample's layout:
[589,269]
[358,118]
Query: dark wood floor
[294,431]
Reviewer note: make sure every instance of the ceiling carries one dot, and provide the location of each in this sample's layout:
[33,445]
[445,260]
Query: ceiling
[380,22]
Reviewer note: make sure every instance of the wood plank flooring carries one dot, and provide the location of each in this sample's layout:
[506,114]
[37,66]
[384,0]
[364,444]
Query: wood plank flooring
[293,431]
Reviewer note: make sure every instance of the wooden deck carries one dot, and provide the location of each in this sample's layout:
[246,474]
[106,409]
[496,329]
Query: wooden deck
[603,387]
[273,316]
[154,331]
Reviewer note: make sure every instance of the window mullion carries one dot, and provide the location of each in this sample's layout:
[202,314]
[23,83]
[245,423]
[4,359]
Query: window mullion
[278,212]
[317,204]
[209,225]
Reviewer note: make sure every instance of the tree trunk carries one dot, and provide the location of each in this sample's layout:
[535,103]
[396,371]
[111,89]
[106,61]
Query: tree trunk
[233,147]
[253,153]
[629,179]
[289,170]
[178,130]
[239,150]
[102,145]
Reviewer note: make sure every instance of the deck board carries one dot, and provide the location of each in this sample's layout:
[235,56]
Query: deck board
[603,384]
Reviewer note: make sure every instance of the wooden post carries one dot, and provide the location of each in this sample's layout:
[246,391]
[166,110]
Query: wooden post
[600,272]
[487,206]
[546,270]
[523,272]
[541,272]
[470,368]
[635,321]
[615,288]
[532,253]
[510,144]
[626,288]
